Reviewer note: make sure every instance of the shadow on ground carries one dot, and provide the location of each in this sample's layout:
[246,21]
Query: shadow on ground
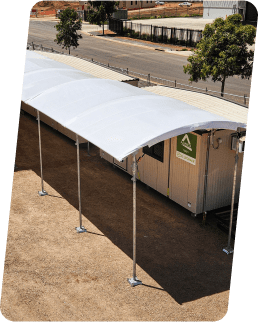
[182,256]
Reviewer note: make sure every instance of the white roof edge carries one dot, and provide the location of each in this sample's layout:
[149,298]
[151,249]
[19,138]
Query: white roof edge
[97,110]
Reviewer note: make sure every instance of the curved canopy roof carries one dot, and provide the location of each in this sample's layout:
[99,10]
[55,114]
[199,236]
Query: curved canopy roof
[116,117]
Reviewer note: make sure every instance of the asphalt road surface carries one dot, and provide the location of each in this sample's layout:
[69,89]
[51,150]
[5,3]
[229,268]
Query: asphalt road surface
[139,59]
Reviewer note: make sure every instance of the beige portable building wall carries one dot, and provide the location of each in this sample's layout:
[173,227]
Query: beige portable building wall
[183,182]
[136,4]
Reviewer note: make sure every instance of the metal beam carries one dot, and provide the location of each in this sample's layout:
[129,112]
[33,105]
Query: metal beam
[229,250]
[79,229]
[134,280]
[42,192]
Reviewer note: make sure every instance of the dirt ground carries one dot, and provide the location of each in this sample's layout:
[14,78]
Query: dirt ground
[169,8]
[53,273]
[56,5]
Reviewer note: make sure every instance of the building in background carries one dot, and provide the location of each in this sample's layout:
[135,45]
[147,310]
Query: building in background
[223,9]
[136,4]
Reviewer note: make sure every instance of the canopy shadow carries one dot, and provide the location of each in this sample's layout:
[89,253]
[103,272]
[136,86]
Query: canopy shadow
[182,256]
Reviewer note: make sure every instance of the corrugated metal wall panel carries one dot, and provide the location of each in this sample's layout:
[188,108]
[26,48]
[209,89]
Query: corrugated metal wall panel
[221,171]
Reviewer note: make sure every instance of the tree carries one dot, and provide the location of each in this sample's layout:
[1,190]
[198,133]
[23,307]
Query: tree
[223,51]
[100,11]
[67,29]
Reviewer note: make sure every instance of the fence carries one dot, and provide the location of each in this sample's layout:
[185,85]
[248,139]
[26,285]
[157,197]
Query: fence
[149,80]
[177,36]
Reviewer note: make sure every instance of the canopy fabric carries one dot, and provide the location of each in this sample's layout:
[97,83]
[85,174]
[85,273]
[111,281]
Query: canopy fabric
[116,117]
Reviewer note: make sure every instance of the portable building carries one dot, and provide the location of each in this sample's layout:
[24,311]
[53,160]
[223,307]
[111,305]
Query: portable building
[121,121]
[215,9]
[195,169]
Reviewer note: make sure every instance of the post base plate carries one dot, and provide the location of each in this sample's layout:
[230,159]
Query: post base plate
[134,281]
[228,250]
[81,229]
[42,193]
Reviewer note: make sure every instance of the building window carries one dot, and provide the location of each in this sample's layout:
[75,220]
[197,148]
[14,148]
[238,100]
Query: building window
[156,151]
[135,2]
[131,3]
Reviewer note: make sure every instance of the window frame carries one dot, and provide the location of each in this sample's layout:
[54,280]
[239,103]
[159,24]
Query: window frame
[150,152]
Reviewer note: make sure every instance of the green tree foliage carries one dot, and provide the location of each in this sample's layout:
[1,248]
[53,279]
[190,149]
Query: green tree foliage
[100,11]
[223,51]
[67,29]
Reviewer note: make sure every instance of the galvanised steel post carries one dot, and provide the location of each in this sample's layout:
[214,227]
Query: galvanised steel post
[42,192]
[206,177]
[228,250]
[80,229]
[134,280]
[88,148]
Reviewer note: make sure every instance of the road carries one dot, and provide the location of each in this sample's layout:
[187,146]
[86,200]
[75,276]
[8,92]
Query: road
[139,59]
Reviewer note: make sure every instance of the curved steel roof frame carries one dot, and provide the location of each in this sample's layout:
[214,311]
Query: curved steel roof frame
[116,117]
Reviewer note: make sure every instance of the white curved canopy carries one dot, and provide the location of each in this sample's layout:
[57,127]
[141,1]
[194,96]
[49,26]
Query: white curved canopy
[116,117]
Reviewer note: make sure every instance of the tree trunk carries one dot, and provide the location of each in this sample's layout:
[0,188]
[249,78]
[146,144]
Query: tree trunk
[69,50]
[223,86]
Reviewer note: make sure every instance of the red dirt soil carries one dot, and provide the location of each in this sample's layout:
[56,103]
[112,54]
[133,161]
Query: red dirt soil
[51,5]
[54,274]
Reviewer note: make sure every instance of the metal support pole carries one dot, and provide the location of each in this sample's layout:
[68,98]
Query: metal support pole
[228,250]
[88,149]
[204,213]
[134,280]
[80,229]
[42,192]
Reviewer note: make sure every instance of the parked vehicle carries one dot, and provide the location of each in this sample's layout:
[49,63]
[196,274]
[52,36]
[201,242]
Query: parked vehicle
[160,2]
[185,4]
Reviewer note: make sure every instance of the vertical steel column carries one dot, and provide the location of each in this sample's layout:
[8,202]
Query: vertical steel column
[204,213]
[80,229]
[228,250]
[42,192]
[88,149]
[134,280]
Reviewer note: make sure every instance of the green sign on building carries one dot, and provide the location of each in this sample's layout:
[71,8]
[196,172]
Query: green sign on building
[186,147]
